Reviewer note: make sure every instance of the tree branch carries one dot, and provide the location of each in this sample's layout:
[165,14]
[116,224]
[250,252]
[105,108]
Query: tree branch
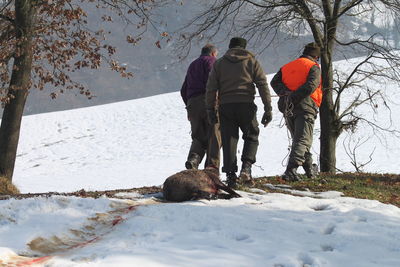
[6,18]
[348,6]
[312,22]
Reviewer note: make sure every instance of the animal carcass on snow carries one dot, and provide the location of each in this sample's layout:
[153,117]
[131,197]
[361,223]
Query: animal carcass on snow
[195,184]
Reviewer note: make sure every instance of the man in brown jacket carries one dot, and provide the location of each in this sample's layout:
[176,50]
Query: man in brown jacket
[232,82]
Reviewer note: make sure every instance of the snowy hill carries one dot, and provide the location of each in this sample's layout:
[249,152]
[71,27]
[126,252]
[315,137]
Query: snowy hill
[141,142]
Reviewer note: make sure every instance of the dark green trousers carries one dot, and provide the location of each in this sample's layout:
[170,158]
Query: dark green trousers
[301,127]
[235,116]
[206,139]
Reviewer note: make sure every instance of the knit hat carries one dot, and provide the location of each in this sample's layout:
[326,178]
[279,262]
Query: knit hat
[238,42]
[312,49]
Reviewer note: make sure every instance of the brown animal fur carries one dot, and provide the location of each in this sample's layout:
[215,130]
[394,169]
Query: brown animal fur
[195,184]
[7,188]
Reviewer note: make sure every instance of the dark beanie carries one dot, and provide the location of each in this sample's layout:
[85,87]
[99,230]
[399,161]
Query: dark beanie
[312,49]
[237,42]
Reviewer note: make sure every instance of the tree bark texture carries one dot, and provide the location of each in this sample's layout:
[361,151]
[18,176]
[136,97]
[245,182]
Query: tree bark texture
[19,87]
[328,115]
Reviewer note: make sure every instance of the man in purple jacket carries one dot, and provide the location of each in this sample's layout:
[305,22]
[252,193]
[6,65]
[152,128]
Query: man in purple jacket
[206,138]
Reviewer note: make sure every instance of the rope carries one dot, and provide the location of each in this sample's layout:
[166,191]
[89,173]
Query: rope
[286,158]
[288,108]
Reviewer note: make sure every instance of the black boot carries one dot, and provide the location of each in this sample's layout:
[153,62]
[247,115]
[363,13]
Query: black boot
[310,169]
[231,179]
[290,174]
[245,174]
[193,161]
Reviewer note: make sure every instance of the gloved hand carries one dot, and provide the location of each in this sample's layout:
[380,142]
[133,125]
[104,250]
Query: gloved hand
[266,118]
[292,99]
[212,116]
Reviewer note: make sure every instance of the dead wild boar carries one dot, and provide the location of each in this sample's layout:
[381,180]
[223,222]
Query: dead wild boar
[195,184]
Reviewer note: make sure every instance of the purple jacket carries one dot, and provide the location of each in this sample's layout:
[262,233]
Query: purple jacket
[196,77]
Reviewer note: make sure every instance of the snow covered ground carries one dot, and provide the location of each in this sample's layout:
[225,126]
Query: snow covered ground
[256,230]
[141,142]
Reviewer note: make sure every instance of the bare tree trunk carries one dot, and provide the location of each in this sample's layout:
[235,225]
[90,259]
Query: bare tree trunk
[328,117]
[19,86]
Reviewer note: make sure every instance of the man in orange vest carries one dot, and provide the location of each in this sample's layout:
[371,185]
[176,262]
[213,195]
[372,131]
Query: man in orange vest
[298,84]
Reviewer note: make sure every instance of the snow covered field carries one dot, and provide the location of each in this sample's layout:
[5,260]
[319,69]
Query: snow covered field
[141,142]
[256,230]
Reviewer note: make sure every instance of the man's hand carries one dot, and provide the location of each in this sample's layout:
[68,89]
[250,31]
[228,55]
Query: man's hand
[212,116]
[293,98]
[266,118]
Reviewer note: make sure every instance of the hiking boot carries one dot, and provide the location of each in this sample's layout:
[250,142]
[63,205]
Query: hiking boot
[311,170]
[245,174]
[231,179]
[290,174]
[193,161]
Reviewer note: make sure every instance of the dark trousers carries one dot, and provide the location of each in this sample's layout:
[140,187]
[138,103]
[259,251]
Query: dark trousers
[206,139]
[301,128]
[235,116]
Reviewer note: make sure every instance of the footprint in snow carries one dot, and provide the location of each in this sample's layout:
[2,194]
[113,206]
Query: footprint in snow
[360,219]
[321,207]
[328,230]
[327,248]
[243,237]
[305,259]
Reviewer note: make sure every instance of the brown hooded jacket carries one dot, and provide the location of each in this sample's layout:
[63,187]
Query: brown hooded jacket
[235,77]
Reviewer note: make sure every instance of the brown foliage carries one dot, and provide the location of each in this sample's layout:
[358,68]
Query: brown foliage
[7,188]
[64,43]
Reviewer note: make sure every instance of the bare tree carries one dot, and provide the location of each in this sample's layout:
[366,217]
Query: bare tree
[264,21]
[352,147]
[42,42]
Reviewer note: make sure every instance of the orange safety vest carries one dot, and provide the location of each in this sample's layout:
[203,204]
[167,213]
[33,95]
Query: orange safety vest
[294,75]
